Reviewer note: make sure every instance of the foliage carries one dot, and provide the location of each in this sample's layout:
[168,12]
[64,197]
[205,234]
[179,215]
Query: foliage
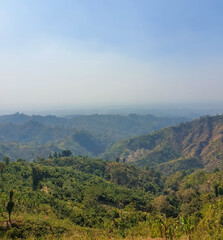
[28,137]
[84,198]
[10,205]
[190,145]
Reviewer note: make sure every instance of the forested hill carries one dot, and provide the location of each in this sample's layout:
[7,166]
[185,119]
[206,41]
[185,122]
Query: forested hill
[83,198]
[23,136]
[196,144]
[120,126]
[31,140]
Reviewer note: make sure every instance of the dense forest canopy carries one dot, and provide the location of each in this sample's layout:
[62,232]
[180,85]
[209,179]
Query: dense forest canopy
[23,136]
[83,198]
[195,144]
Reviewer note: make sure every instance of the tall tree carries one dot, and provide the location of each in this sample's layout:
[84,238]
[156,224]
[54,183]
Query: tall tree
[36,176]
[10,205]
[2,167]
[6,160]
[66,153]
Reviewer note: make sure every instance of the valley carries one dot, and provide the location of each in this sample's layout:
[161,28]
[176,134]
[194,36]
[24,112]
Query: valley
[165,184]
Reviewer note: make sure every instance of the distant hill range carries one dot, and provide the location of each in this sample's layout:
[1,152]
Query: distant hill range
[196,144]
[23,136]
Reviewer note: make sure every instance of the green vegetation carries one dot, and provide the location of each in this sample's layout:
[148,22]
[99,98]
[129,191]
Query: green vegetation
[83,198]
[28,137]
[196,144]
[177,193]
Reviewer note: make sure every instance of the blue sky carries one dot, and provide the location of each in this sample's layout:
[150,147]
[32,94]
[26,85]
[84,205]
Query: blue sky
[57,53]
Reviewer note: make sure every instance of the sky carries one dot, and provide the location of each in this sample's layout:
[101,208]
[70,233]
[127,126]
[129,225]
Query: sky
[80,53]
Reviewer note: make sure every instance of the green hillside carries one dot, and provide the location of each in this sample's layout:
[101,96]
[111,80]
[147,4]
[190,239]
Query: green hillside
[196,144]
[28,137]
[82,198]
[32,140]
[116,126]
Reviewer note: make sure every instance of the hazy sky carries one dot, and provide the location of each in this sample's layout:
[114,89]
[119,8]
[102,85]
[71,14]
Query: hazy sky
[57,53]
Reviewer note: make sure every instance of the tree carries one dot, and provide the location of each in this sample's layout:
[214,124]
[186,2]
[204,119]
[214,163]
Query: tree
[163,205]
[6,160]
[187,226]
[166,226]
[216,190]
[66,153]
[91,196]
[2,167]
[21,160]
[10,206]
[36,176]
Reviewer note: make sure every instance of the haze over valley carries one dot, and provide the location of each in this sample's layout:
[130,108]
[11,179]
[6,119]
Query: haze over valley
[111,119]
